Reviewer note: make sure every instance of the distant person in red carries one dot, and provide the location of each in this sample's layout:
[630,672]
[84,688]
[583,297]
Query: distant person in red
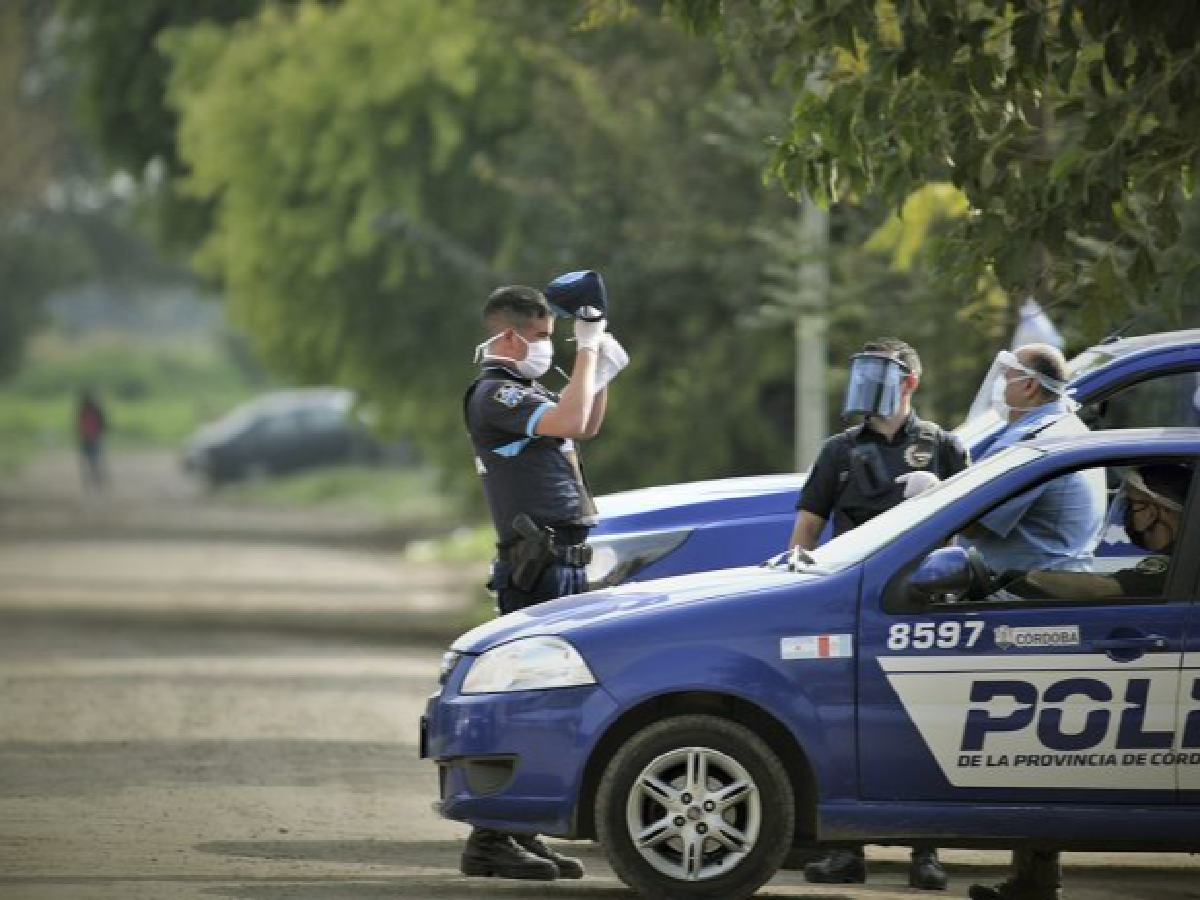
[90,426]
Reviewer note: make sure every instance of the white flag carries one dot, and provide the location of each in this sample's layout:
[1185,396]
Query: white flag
[1035,327]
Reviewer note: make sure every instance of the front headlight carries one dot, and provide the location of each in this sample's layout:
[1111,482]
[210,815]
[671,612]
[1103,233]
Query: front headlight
[618,558]
[530,664]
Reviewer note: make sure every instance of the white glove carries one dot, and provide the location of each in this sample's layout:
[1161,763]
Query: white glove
[613,359]
[915,483]
[588,334]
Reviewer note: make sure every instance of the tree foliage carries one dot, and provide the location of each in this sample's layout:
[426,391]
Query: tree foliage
[1069,126]
[31,258]
[394,162]
[372,169]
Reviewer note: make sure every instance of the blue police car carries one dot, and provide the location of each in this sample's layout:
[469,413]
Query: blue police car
[1145,381]
[886,688]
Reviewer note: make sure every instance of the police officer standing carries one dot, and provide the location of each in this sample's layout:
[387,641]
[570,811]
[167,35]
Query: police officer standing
[859,474]
[524,441]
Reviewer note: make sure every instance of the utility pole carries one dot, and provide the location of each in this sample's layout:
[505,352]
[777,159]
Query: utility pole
[812,414]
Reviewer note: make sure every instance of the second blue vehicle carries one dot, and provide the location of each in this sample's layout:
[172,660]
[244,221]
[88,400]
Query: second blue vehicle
[1146,381]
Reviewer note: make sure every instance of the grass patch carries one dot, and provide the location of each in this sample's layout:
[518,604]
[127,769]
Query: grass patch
[409,495]
[154,393]
[467,544]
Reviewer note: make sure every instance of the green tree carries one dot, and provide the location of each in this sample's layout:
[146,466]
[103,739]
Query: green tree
[1070,128]
[116,54]
[33,257]
[395,161]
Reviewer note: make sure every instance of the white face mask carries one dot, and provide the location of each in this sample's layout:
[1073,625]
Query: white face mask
[537,359]
[999,403]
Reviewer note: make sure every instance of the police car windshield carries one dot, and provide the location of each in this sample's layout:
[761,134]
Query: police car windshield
[855,546]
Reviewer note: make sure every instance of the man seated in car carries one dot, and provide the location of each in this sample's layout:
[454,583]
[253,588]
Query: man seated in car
[1054,525]
[1149,505]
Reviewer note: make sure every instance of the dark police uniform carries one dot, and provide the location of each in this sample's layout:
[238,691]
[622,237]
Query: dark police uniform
[854,478]
[524,472]
[852,481]
[1148,578]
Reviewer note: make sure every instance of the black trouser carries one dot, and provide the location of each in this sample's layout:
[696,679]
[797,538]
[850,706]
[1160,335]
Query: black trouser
[557,580]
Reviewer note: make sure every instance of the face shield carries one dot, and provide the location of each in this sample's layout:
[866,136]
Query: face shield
[875,386]
[1005,366]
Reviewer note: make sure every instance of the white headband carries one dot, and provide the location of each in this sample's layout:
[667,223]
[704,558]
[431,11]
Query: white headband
[1010,360]
[1134,478]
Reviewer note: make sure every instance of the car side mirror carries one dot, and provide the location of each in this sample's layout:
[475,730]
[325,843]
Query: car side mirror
[1092,414]
[950,574]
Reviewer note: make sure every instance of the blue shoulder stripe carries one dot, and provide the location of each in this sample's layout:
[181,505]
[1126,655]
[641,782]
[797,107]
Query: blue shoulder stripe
[512,449]
[536,417]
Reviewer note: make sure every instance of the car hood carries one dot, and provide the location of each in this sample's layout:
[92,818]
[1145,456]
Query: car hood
[567,614]
[694,493]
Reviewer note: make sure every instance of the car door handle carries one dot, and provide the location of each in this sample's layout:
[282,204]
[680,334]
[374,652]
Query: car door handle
[1142,642]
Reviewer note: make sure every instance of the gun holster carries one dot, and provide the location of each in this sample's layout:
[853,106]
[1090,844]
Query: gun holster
[532,552]
[869,472]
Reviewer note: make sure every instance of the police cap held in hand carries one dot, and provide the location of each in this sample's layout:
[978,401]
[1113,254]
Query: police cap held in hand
[578,295]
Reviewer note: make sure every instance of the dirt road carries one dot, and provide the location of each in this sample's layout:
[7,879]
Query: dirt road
[197,703]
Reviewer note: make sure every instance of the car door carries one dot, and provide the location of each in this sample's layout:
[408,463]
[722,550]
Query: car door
[281,442]
[1188,760]
[1019,698]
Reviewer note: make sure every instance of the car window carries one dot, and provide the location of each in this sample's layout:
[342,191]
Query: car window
[856,545]
[321,418]
[282,422]
[1166,401]
[1087,361]
[1041,565]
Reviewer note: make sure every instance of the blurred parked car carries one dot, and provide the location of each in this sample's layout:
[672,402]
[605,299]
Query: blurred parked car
[282,432]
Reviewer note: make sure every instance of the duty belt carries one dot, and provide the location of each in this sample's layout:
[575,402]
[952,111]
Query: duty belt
[574,554]
[578,555]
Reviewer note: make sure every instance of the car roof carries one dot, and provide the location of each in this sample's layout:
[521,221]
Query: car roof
[303,398]
[1104,354]
[1125,345]
[1136,440]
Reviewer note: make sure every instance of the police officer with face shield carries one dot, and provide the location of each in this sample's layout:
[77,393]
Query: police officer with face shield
[524,437]
[864,471]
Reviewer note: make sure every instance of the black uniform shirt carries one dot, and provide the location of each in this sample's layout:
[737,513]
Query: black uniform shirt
[523,472]
[1147,579]
[835,490]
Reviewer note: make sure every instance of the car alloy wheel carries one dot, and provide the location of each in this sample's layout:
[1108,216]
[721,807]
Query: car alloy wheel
[694,814]
[695,807]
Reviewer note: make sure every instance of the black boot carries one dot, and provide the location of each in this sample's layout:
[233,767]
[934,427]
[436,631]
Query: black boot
[568,866]
[799,857]
[925,872]
[1013,889]
[495,854]
[1036,875]
[843,865]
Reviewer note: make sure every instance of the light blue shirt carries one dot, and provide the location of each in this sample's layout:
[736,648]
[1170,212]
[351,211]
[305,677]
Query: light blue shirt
[1055,525]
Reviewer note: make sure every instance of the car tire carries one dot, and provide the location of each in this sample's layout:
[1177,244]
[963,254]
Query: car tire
[673,820]
[257,472]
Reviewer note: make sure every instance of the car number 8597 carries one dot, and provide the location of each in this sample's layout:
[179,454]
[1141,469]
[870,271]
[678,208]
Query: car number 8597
[929,635]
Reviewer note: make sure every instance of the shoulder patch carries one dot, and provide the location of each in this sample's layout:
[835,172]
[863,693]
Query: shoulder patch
[1153,565]
[509,394]
[918,456]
